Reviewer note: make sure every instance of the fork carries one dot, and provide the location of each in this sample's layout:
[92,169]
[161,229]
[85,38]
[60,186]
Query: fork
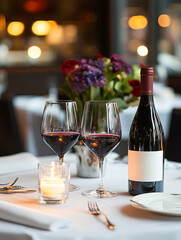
[8,185]
[94,210]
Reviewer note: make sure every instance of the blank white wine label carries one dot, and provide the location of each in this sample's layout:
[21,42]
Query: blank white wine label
[145,166]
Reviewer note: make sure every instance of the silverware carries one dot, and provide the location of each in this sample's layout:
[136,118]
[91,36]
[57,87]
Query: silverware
[7,185]
[17,191]
[11,188]
[94,210]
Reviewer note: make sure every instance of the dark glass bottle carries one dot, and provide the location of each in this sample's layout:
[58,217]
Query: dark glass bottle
[146,142]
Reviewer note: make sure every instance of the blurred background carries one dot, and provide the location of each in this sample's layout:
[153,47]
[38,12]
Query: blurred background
[37,35]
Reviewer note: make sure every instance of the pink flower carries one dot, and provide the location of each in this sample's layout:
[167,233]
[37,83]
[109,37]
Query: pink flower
[68,65]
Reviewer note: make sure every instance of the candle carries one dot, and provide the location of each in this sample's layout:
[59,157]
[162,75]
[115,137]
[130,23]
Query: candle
[53,182]
[52,187]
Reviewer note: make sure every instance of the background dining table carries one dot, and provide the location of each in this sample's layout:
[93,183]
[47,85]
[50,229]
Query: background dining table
[131,223]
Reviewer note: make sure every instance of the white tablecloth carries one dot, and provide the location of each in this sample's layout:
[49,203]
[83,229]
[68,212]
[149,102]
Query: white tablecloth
[131,223]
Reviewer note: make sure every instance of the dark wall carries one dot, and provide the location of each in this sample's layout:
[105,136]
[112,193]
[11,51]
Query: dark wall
[32,80]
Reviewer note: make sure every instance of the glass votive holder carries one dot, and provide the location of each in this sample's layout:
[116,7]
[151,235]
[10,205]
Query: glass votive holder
[53,182]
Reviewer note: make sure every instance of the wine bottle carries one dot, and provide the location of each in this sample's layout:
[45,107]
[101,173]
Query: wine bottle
[146,142]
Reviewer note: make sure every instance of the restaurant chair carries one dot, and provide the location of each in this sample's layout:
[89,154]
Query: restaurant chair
[10,141]
[174,81]
[173,145]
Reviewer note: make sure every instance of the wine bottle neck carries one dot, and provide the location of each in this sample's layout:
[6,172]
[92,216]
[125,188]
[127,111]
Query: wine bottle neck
[146,99]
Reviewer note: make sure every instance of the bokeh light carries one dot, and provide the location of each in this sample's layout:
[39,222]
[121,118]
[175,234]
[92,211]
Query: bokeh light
[34,52]
[52,23]
[142,51]
[15,28]
[56,35]
[41,28]
[164,20]
[35,6]
[137,22]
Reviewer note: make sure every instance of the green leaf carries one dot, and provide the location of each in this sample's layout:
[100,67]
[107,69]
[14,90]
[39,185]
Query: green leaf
[80,107]
[94,93]
[68,92]
[66,89]
[135,74]
[118,86]
[121,103]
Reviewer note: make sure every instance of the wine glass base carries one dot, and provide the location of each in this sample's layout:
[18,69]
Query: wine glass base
[73,187]
[99,194]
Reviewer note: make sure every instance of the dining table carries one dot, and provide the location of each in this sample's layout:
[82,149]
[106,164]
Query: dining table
[131,222]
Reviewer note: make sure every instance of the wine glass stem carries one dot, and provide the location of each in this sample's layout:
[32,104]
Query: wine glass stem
[101,161]
[60,159]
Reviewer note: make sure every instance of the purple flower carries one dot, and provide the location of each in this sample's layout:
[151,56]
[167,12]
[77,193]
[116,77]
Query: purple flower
[83,61]
[115,57]
[85,76]
[100,64]
[118,63]
[116,66]
[128,68]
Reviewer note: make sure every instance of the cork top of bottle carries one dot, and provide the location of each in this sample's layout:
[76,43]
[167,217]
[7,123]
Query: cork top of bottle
[147,71]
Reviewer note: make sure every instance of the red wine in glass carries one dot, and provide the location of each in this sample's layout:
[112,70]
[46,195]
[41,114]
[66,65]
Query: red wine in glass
[60,142]
[101,144]
[101,133]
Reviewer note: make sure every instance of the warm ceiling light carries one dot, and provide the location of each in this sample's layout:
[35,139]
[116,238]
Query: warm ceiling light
[137,22]
[52,23]
[164,20]
[41,28]
[15,28]
[34,52]
[142,50]
[35,6]
[56,35]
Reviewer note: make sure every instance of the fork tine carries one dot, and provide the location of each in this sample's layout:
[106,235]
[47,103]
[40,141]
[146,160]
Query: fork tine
[90,207]
[94,208]
[97,207]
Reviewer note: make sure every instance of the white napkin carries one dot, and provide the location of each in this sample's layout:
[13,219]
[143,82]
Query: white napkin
[17,163]
[30,217]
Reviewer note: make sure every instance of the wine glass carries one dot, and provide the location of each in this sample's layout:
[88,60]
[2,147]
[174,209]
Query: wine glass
[60,128]
[101,133]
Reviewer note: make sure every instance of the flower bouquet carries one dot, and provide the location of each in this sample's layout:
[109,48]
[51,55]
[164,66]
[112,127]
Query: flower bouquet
[102,79]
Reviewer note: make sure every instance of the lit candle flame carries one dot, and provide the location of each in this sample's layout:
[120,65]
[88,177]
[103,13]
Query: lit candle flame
[52,169]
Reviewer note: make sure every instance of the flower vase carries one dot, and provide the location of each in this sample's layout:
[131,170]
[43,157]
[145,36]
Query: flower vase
[87,162]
